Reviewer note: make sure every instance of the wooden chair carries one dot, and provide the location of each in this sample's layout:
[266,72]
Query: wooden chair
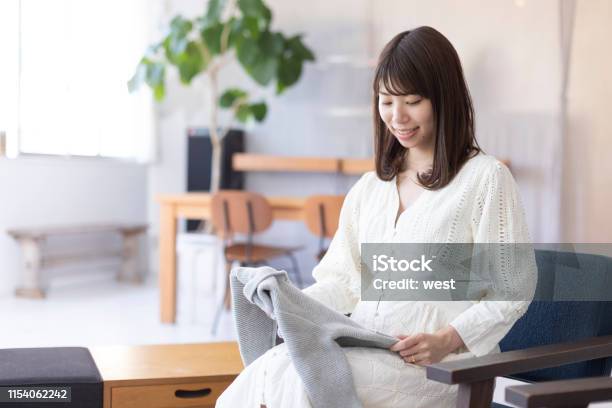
[240,212]
[553,341]
[574,393]
[322,215]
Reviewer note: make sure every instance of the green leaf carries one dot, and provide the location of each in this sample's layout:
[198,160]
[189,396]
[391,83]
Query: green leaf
[243,113]
[159,92]
[297,48]
[180,26]
[211,36]
[139,76]
[280,87]
[263,70]
[174,47]
[245,27]
[155,78]
[289,71]
[259,111]
[235,31]
[213,14]
[257,9]
[271,44]
[291,63]
[155,73]
[244,30]
[250,27]
[176,41]
[247,52]
[228,97]
[190,63]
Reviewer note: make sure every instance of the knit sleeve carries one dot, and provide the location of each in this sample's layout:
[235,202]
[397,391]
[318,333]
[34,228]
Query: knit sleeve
[498,218]
[338,273]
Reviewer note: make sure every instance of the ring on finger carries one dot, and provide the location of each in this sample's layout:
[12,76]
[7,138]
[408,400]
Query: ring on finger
[413,359]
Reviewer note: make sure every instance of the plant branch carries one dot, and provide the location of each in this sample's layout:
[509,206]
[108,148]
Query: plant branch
[222,61]
[205,51]
[226,27]
[234,109]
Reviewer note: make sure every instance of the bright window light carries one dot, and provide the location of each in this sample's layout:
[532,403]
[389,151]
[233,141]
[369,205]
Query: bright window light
[72,60]
[9,72]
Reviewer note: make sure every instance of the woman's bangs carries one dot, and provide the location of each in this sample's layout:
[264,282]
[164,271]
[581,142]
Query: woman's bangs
[395,78]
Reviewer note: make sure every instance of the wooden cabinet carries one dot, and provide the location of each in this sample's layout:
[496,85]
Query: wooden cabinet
[166,376]
[200,394]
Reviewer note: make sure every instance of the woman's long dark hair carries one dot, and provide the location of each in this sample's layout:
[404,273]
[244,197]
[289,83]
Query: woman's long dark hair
[423,62]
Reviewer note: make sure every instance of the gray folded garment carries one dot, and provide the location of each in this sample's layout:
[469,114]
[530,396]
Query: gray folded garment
[265,301]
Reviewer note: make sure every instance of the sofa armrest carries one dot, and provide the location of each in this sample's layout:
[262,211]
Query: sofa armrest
[476,376]
[575,393]
[518,361]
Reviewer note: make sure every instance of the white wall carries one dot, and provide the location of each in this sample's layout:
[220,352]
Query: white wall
[39,191]
[588,171]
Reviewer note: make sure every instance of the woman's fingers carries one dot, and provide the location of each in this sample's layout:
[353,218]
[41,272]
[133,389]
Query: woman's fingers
[412,350]
[421,348]
[399,345]
[418,359]
[407,342]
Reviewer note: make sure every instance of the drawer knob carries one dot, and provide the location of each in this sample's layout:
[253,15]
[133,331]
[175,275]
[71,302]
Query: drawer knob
[192,393]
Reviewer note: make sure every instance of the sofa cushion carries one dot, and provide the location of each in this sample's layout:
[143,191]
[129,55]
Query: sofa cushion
[548,322]
[71,367]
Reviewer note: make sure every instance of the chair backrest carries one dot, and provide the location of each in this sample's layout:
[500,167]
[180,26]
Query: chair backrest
[547,322]
[235,211]
[322,214]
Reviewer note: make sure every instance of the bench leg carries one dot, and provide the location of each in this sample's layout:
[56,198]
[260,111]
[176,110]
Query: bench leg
[129,262]
[31,286]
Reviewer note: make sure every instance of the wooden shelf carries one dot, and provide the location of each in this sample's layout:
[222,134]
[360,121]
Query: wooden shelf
[260,162]
[356,166]
[271,163]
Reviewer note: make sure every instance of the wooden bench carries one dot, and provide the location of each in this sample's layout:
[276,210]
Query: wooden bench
[35,260]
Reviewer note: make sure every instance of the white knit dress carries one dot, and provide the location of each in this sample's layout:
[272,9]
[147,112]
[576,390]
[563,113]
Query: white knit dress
[481,205]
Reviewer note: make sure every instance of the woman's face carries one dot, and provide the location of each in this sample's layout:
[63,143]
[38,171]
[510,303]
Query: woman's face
[408,117]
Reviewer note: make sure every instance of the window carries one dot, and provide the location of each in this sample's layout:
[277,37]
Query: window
[64,78]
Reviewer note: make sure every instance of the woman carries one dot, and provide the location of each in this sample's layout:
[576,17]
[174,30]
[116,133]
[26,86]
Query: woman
[432,184]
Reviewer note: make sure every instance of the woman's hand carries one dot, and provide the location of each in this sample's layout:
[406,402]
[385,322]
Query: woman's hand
[427,348]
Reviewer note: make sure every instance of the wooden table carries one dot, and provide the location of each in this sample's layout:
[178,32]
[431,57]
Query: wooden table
[175,375]
[197,206]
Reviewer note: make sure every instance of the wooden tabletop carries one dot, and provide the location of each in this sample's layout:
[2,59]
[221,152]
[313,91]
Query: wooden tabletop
[198,206]
[171,363]
[204,199]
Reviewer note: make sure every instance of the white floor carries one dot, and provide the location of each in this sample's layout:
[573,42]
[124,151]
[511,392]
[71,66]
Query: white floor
[103,311]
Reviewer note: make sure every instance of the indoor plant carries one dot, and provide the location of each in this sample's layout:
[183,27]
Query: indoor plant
[228,29]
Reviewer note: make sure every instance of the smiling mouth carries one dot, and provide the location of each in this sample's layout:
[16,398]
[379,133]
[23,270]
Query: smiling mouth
[405,133]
